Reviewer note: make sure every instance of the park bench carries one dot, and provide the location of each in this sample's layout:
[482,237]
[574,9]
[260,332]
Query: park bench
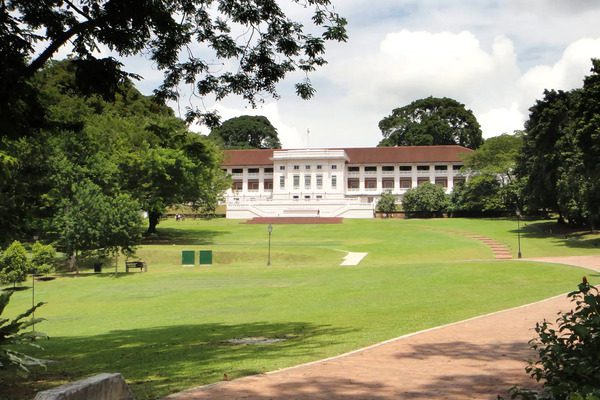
[136,264]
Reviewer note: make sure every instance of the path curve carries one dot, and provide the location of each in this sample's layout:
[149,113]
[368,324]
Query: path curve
[478,358]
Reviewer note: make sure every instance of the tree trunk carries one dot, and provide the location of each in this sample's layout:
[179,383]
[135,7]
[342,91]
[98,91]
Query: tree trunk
[73,263]
[153,218]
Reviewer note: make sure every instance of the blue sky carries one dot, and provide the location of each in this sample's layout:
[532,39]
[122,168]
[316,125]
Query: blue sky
[496,57]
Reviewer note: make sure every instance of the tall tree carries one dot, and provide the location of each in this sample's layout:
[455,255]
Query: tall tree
[431,121]
[560,163]
[255,132]
[254,43]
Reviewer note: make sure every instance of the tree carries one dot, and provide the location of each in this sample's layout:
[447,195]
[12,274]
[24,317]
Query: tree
[431,121]
[254,44]
[14,264]
[246,132]
[426,200]
[93,222]
[559,163]
[42,259]
[386,204]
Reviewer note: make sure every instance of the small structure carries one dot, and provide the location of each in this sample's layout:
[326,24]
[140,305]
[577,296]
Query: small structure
[106,386]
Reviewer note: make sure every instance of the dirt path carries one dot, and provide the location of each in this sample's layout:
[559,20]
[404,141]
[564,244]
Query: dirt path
[474,359]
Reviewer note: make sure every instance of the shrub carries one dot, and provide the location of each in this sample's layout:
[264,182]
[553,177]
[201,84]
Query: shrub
[14,264]
[42,260]
[568,352]
[426,200]
[12,334]
[386,203]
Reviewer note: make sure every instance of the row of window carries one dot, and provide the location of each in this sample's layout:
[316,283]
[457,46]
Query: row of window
[353,183]
[371,168]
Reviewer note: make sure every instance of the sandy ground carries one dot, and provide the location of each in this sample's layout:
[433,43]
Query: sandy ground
[474,359]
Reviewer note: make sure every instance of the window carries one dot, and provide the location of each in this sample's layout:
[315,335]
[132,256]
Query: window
[388,168]
[319,181]
[253,170]
[282,167]
[237,171]
[459,181]
[252,186]
[353,184]
[307,182]
[441,168]
[334,167]
[268,170]
[422,167]
[307,197]
[319,167]
[296,197]
[282,182]
[370,169]
[296,181]
[224,170]
[268,184]
[237,186]
[387,183]
[456,167]
[371,184]
[421,181]
[353,169]
[296,167]
[406,168]
[319,197]
[405,183]
[307,167]
[333,181]
[443,182]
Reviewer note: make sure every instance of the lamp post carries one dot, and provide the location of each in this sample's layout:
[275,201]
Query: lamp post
[269,229]
[33,271]
[519,232]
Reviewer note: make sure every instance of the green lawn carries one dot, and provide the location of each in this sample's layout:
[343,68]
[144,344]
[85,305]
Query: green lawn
[166,330]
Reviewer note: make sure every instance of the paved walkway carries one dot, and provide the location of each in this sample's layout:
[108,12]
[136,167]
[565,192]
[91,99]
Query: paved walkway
[474,359]
[353,258]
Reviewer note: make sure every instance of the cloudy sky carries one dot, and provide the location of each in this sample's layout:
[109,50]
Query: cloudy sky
[496,57]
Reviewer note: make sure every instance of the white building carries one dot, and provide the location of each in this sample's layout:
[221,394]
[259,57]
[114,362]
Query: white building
[343,182]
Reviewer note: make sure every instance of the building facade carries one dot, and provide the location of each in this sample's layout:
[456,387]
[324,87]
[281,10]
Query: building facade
[344,182]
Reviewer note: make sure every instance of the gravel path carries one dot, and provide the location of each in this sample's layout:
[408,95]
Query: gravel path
[474,359]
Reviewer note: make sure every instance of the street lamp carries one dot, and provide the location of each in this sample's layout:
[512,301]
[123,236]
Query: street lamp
[269,229]
[519,232]
[33,273]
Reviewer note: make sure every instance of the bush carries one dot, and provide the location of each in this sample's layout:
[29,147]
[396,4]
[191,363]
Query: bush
[42,260]
[386,203]
[14,264]
[426,200]
[569,352]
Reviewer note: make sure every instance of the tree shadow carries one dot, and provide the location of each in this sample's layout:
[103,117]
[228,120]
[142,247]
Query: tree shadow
[563,234]
[182,236]
[162,360]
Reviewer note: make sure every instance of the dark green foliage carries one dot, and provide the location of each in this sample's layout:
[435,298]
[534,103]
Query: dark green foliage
[560,162]
[386,203]
[14,264]
[12,334]
[254,132]
[569,351]
[425,200]
[271,46]
[431,121]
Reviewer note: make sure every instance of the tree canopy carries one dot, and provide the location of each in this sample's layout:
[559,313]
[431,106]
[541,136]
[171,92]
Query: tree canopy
[426,200]
[431,121]
[255,132]
[560,161]
[220,47]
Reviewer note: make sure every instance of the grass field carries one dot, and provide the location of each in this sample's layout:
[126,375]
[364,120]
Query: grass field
[167,329]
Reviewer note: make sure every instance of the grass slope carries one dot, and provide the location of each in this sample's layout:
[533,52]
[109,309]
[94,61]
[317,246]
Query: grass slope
[166,330]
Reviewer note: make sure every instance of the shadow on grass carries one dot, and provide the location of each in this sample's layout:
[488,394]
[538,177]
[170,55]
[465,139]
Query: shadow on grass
[183,236]
[159,361]
[563,234]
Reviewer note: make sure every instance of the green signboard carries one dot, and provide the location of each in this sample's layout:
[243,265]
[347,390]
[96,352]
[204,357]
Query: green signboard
[205,257]
[188,257]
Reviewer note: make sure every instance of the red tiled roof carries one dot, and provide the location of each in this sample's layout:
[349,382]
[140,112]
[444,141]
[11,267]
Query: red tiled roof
[361,155]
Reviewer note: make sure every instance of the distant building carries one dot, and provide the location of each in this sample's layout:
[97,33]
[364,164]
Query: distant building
[344,182]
